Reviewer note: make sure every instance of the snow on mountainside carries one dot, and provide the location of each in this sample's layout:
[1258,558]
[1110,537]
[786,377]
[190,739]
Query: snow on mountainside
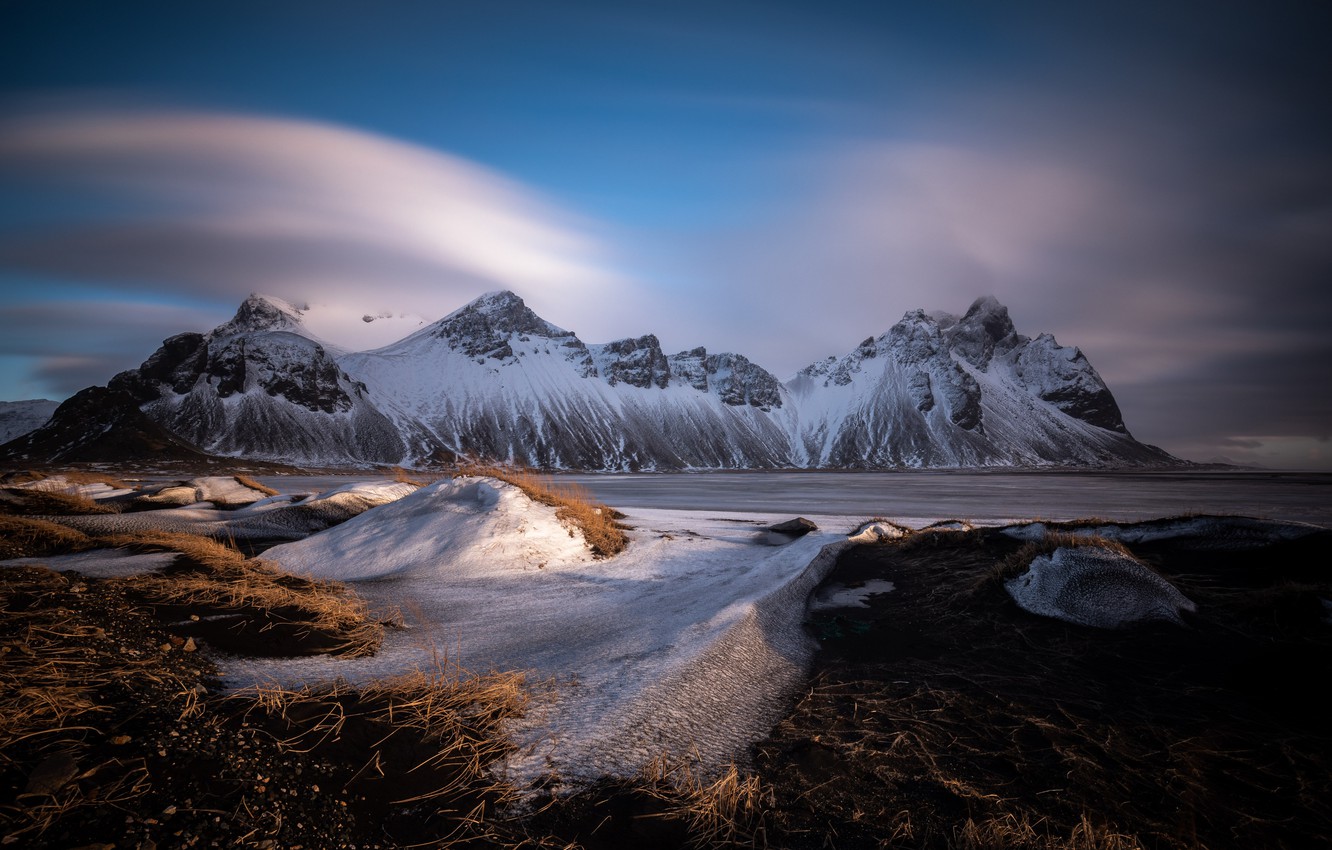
[495,380]
[942,391]
[19,417]
[257,386]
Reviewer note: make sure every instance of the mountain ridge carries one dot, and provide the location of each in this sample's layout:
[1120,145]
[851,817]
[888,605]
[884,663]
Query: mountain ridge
[493,379]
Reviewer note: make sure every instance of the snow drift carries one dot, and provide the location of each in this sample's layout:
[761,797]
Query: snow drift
[687,643]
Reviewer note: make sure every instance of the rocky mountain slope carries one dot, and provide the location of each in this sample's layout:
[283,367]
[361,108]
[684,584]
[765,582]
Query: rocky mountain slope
[20,417]
[495,380]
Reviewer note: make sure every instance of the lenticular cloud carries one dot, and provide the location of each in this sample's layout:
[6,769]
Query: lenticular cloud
[227,201]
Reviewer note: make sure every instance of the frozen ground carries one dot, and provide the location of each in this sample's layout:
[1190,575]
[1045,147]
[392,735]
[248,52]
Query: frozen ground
[991,496]
[688,643]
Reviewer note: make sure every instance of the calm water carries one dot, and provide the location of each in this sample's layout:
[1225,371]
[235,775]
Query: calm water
[977,495]
[1304,497]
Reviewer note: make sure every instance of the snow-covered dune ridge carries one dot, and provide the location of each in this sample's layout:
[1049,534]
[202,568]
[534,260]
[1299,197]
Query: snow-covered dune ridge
[281,517]
[687,643]
[457,527]
[493,380]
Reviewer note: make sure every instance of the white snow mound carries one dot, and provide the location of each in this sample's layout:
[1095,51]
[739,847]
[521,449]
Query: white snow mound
[687,644]
[226,490]
[873,532]
[466,526]
[1098,587]
[61,484]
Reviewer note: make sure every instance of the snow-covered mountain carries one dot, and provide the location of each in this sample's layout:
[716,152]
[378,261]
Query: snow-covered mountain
[941,391]
[19,417]
[494,380]
[260,385]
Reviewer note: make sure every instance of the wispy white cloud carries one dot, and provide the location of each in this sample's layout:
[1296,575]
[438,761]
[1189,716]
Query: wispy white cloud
[309,211]
[1182,262]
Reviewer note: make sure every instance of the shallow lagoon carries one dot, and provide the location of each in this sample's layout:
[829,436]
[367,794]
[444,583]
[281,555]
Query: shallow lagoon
[977,495]
[923,496]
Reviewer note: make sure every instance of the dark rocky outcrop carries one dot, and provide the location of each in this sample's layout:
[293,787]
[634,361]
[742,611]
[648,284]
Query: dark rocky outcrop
[637,362]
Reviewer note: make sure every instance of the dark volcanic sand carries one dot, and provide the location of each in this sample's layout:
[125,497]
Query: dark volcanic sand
[943,715]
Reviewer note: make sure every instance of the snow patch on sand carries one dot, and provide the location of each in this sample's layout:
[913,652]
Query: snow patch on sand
[100,563]
[841,596]
[687,644]
[1098,587]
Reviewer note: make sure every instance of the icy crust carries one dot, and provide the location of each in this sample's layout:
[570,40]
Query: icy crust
[1097,587]
[1202,532]
[688,643]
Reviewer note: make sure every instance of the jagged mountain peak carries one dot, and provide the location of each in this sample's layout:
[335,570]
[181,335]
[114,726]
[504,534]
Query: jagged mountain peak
[484,326]
[259,313]
[494,379]
[502,311]
[984,330]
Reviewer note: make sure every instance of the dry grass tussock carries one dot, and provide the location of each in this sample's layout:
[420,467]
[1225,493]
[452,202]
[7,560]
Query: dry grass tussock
[211,574]
[1018,832]
[36,502]
[65,666]
[25,537]
[247,481]
[109,734]
[598,523]
[723,810]
[458,712]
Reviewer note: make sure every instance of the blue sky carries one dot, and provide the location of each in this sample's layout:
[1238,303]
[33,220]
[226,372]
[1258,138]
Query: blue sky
[1151,184]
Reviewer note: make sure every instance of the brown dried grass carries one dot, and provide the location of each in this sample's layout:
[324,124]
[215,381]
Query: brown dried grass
[247,481]
[24,537]
[402,476]
[425,740]
[37,502]
[727,809]
[62,675]
[574,506]
[213,574]
[70,692]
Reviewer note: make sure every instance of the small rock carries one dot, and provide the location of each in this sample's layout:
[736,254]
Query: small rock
[166,647]
[52,774]
[189,645]
[168,811]
[795,527]
[120,740]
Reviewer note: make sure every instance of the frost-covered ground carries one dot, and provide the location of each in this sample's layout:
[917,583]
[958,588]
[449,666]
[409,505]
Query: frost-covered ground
[688,643]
